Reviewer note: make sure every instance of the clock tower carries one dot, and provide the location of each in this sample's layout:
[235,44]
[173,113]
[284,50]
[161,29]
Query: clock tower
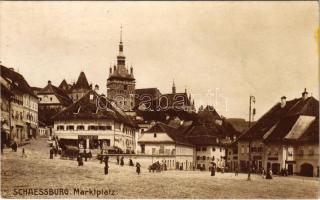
[121,82]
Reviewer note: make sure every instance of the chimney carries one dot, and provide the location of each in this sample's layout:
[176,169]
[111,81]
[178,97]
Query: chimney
[49,82]
[283,101]
[110,70]
[304,94]
[131,70]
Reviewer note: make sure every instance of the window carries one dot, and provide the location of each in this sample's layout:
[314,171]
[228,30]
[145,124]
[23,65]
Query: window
[142,148]
[125,87]
[153,150]
[50,98]
[198,149]
[60,127]
[203,158]
[91,127]
[242,148]
[198,157]
[220,149]
[81,127]
[161,150]
[213,149]
[154,135]
[204,148]
[70,127]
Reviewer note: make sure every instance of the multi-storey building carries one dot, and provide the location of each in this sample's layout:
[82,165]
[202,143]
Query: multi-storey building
[286,137]
[94,122]
[22,106]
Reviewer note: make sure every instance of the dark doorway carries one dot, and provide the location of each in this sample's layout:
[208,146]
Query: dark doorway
[306,170]
[290,169]
[275,168]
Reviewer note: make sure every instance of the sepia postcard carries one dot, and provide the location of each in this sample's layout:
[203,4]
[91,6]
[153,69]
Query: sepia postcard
[159,99]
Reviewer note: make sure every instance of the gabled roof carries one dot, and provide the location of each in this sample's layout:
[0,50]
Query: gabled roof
[239,124]
[16,80]
[278,122]
[86,108]
[64,85]
[82,83]
[174,133]
[59,93]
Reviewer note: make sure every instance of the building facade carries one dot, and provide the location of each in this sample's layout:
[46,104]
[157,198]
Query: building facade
[286,137]
[22,106]
[87,126]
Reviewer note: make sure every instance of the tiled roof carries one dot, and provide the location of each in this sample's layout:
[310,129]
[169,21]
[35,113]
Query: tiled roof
[59,93]
[278,122]
[16,80]
[64,85]
[86,108]
[82,83]
[174,133]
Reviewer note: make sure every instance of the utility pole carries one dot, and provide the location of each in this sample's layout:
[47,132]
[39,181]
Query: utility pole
[251,99]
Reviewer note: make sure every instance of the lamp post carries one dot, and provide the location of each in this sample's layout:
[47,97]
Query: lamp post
[252,99]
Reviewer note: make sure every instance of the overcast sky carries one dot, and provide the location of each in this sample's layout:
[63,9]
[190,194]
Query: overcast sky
[233,49]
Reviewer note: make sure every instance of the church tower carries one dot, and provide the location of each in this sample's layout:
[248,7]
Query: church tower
[121,82]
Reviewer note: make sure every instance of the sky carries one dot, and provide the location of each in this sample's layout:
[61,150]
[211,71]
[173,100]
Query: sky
[221,52]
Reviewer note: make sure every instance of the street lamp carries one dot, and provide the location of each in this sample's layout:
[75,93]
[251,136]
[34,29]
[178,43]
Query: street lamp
[251,100]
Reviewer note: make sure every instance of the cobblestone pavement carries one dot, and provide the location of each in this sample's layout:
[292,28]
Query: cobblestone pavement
[36,176]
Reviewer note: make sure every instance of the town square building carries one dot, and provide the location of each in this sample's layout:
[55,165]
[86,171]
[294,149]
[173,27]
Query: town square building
[286,137]
[94,122]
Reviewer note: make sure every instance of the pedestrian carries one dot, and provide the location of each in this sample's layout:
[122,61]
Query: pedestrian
[106,168]
[236,171]
[118,160]
[106,165]
[79,159]
[213,169]
[85,155]
[263,173]
[269,174]
[138,168]
[122,161]
[51,153]
[23,153]
[130,162]
[55,151]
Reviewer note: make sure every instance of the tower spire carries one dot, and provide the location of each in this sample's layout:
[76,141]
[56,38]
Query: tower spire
[121,33]
[173,87]
[121,44]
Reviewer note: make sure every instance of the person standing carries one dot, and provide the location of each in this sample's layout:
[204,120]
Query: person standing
[85,155]
[122,161]
[23,153]
[80,161]
[138,168]
[106,165]
[118,160]
[236,171]
[51,153]
[269,174]
[213,169]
